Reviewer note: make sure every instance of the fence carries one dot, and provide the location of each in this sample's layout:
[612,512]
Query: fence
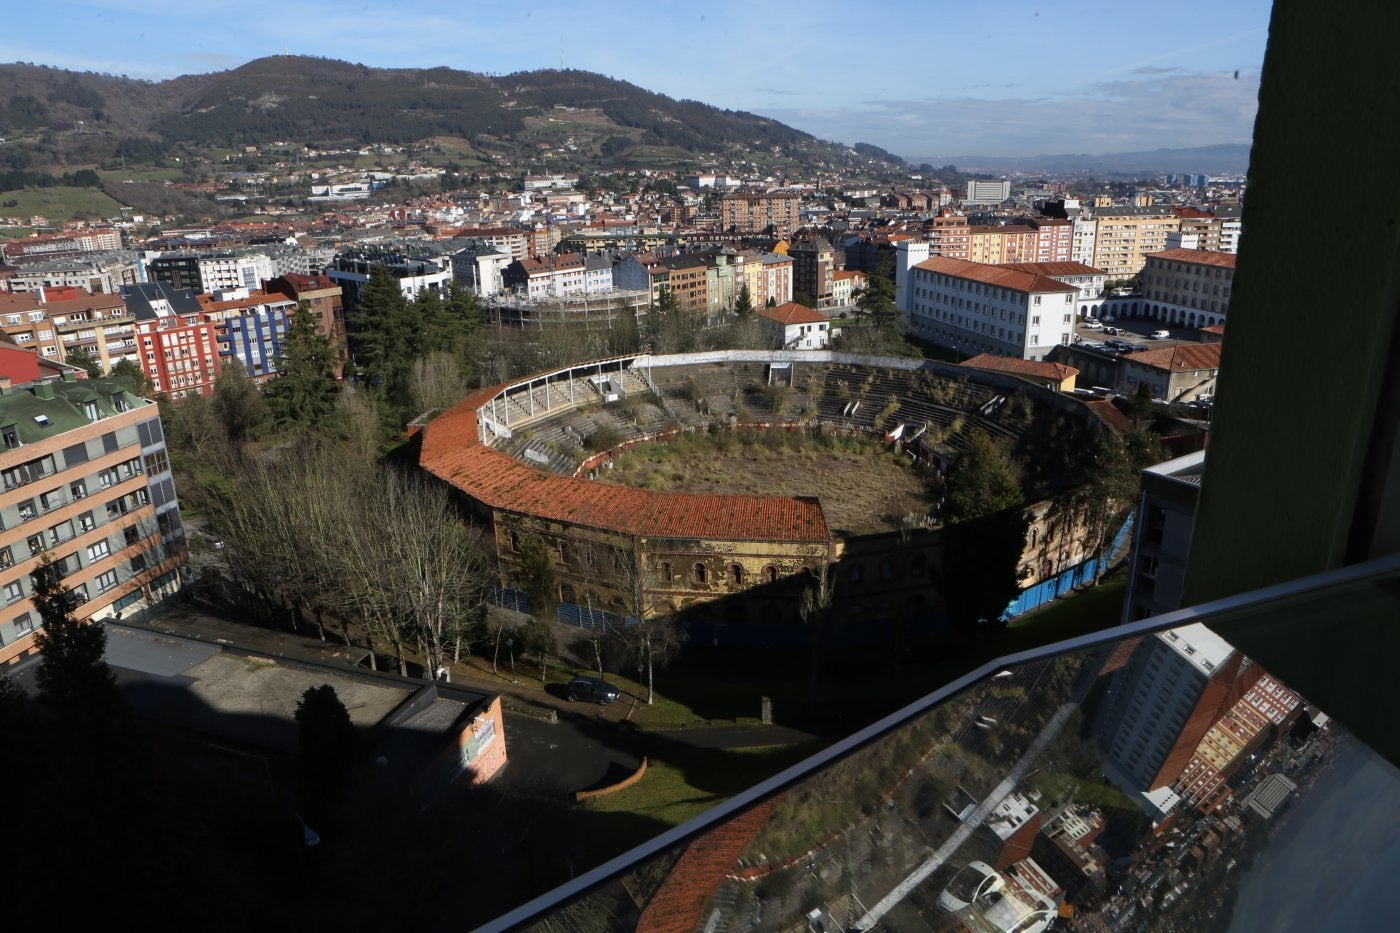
[1064,582]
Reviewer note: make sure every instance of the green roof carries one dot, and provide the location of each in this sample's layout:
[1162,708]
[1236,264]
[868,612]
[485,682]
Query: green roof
[38,418]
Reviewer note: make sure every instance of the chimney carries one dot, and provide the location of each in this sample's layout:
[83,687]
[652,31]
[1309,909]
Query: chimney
[42,300]
[43,390]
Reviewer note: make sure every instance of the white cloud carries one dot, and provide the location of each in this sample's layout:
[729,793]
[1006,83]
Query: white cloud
[1160,111]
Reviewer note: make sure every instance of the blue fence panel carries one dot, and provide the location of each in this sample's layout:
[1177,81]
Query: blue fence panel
[1065,581]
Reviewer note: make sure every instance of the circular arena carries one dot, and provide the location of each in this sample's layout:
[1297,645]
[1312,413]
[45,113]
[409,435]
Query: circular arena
[525,457]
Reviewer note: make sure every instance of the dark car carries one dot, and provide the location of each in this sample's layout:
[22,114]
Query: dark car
[591,688]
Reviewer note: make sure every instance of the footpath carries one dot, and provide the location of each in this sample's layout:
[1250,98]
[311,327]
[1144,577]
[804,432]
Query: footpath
[202,623]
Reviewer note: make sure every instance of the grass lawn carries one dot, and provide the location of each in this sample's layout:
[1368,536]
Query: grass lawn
[59,203]
[119,175]
[685,782]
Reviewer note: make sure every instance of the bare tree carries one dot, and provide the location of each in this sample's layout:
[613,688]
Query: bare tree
[438,380]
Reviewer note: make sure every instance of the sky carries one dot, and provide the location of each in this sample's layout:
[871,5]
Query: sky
[922,79]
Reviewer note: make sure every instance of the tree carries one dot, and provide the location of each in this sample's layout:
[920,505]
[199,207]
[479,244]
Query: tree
[982,481]
[743,306]
[82,356]
[73,676]
[237,402]
[129,373]
[329,750]
[537,575]
[437,381]
[877,298]
[539,640]
[304,391]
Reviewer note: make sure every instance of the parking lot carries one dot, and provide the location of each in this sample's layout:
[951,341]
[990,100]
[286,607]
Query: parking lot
[1130,335]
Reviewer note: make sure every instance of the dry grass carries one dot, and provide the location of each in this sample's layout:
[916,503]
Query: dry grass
[862,486]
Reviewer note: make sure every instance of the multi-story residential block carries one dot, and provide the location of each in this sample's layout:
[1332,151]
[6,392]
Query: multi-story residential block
[179,270]
[54,321]
[987,192]
[1184,372]
[480,267]
[351,270]
[179,347]
[998,244]
[1175,686]
[845,285]
[324,299]
[1188,287]
[814,262]
[949,235]
[689,281]
[68,243]
[978,308]
[513,241]
[87,485]
[777,280]
[550,276]
[96,273]
[774,213]
[251,328]
[1124,236]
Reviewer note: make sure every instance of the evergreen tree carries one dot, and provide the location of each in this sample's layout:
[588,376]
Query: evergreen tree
[330,749]
[537,576]
[73,677]
[983,481]
[82,356]
[304,391]
[380,328]
[743,307]
[877,300]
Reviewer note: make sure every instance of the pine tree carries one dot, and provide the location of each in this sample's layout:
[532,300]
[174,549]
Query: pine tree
[743,307]
[73,677]
[304,391]
[82,356]
[237,402]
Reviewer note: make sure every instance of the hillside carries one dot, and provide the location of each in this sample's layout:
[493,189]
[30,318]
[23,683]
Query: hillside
[54,118]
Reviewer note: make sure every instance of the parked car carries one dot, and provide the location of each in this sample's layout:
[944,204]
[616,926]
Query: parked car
[215,542]
[1112,331]
[1092,324]
[591,688]
[1161,334]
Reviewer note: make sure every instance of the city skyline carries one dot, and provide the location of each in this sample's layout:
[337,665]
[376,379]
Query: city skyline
[1078,79]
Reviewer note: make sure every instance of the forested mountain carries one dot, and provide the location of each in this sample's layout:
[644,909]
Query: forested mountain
[69,118]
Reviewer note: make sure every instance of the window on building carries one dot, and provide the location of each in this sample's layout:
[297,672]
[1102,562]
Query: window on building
[700,573]
[106,580]
[14,591]
[98,550]
[10,435]
[24,624]
[77,490]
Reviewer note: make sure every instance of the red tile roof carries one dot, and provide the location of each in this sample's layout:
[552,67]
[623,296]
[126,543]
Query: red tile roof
[793,313]
[1043,369]
[1110,415]
[993,275]
[1201,257]
[1053,268]
[453,452]
[1180,357]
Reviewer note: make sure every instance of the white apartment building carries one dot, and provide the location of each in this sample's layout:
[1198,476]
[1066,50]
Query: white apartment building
[1082,248]
[225,271]
[987,192]
[1087,281]
[977,308]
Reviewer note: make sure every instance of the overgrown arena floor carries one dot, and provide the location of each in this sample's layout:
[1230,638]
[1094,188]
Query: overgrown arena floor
[864,488]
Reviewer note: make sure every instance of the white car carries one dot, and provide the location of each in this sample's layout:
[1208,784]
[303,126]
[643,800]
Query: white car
[975,880]
[1092,324]
[1161,334]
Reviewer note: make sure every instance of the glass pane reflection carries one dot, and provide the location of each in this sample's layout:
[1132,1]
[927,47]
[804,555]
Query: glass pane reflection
[1164,780]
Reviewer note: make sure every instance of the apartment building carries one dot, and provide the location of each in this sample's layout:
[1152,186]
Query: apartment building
[814,263]
[1088,281]
[1124,236]
[978,308]
[68,243]
[87,484]
[949,235]
[987,192]
[250,328]
[324,299]
[350,270]
[751,212]
[795,327]
[1187,287]
[554,276]
[179,347]
[96,273]
[53,321]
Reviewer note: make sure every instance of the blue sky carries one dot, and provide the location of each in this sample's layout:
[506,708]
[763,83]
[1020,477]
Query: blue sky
[922,79]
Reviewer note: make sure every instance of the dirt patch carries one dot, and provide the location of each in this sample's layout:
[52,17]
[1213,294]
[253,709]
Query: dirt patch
[863,487]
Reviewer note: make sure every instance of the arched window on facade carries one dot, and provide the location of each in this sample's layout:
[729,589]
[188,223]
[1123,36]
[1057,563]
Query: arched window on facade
[770,573]
[567,594]
[700,572]
[736,574]
[665,571]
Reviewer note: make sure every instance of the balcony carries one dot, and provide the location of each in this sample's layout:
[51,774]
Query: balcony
[1033,789]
